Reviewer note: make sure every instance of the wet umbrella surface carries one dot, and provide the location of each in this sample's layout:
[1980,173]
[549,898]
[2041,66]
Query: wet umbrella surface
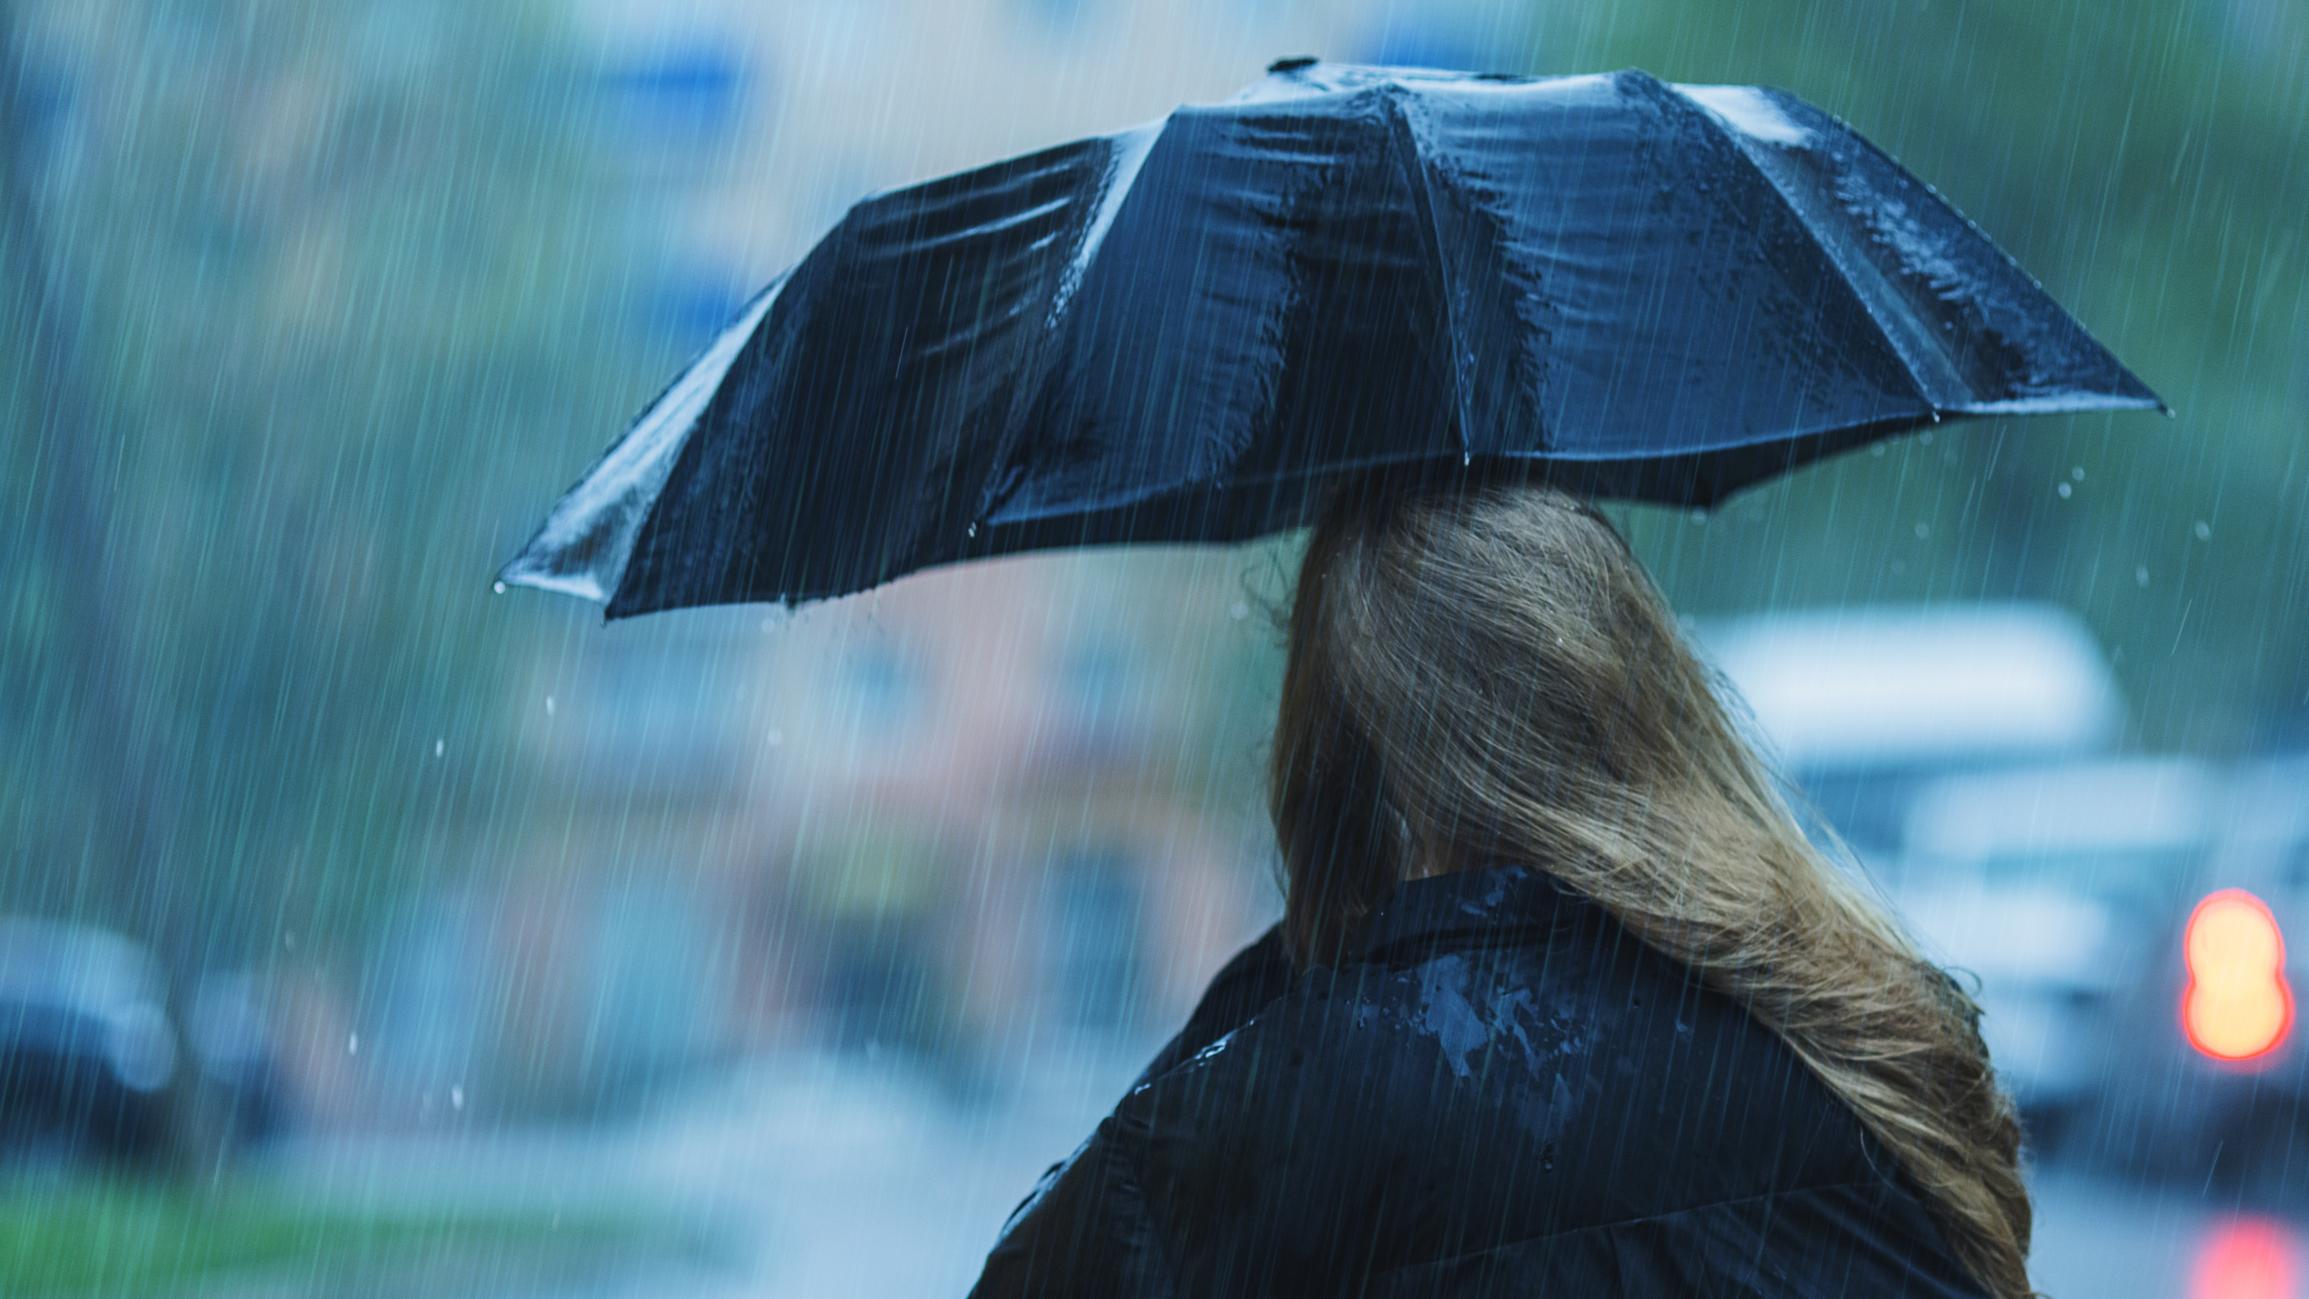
[1184,332]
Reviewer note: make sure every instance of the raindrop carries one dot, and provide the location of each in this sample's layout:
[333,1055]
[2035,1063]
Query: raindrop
[456,1098]
[2141,575]
[440,747]
[1923,530]
[1239,610]
[2204,530]
[353,1044]
[2077,474]
[1925,437]
[972,530]
[775,738]
[549,705]
[2066,491]
[497,588]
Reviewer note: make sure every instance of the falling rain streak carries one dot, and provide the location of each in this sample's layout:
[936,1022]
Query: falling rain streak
[368,927]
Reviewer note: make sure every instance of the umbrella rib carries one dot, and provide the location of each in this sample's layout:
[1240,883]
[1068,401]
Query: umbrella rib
[1423,194]
[1132,148]
[1843,278]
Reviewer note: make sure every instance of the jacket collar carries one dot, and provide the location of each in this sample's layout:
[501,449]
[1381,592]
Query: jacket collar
[1462,908]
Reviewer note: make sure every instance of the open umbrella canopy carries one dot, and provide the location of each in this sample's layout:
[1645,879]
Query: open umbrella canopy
[1189,331]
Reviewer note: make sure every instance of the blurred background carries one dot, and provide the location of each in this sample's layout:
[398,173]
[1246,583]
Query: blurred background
[366,931]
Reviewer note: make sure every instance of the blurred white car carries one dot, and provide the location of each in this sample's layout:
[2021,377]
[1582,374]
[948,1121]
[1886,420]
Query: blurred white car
[1861,704]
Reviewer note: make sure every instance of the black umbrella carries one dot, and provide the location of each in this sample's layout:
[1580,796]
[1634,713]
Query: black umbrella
[1189,331]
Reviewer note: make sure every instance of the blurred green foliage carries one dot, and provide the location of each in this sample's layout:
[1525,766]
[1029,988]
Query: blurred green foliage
[92,1237]
[327,288]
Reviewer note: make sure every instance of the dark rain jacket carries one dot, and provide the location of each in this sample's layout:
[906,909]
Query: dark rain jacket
[1506,1094]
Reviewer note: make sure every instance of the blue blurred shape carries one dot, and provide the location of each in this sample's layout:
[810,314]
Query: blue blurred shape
[1061,14]
[691,305]
[691,90]
[1424,40]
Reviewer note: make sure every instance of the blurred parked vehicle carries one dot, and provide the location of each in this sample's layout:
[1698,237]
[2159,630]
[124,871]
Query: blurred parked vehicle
[2054,887]
[2125,918]
[91,1063]
[2127,923]
[86,1049]
[2213,1083]
[1861,705]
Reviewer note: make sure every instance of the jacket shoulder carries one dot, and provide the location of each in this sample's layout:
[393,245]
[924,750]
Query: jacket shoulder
[1480,1094]
[1270,1157]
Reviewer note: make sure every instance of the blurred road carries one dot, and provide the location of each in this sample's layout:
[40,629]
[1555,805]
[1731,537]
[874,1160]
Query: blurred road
[811,1176]
[2096,1238]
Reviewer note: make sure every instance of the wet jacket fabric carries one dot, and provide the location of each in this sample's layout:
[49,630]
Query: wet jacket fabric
[1505,1094]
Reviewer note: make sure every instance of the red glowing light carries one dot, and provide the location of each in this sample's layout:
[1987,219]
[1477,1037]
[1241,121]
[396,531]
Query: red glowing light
[2248,1258]
[2238,1006]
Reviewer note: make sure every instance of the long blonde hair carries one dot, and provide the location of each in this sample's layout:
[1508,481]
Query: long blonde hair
[1487,673]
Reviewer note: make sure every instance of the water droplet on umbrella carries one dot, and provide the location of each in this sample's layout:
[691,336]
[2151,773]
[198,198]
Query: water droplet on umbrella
[549,705]
[2204,530]
[2141,575]
[353,1044]
[440,747]
[456,1098]
[2066,491]
[497,588]
[2078,473]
